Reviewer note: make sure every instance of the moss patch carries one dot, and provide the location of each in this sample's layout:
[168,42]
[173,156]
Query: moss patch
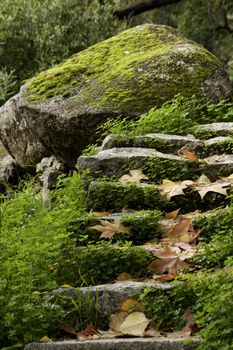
[153,62]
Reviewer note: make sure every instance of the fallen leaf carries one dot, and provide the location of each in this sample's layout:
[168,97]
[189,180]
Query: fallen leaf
[152,330]
[108,228]
[135,324]
[45,339]
[69,328]
[190,327]
[183,231]
[203,179]
[124,276]
[116,320]
[136,176]
[90,330]
[217,187]
[67,286]
[168,260]
[172,215]
[130,305]
[169,189]
[183,152]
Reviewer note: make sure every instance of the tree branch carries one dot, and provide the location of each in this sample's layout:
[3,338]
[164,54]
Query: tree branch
[142,7]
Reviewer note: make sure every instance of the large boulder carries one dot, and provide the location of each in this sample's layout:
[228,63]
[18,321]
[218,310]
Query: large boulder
[58,111]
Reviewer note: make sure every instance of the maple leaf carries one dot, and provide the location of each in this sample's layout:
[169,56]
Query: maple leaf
[124,276]
[217,187]
[170,189]
[136,176]
[183,152]
[183,231]
[108,228]
[168,260]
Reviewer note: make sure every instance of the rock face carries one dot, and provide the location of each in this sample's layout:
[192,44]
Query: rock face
[58,111]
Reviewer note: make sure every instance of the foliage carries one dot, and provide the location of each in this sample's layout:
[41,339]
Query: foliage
[36,34]
[178,116]
[210,308]
[30,242]
[7,85]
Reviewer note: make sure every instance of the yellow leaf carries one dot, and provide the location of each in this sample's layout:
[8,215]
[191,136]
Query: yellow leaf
[108,229]
[203,179]
[45,339]
[66,286]
[131,305]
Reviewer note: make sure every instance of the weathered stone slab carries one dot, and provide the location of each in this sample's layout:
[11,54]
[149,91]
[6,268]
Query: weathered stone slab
[161,142]
[161,343]
[216,129]
[116,161]
[108,298]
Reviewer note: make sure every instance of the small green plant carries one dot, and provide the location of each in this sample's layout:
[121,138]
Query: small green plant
[7,85]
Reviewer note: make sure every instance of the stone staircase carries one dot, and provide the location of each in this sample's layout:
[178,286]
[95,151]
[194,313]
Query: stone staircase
[140,207]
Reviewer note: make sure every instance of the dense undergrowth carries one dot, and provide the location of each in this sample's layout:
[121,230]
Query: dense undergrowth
[39,253]
[178,116]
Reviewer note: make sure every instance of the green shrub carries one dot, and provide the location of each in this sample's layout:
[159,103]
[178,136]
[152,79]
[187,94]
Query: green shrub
[209,295]
[36,34]
[31,239]
[178,116]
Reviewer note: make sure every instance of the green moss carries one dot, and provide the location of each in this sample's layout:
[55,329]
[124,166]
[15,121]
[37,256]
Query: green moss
[146,57]
[221,147]
[142,224]
[103,196]
[102,264]
[115,196]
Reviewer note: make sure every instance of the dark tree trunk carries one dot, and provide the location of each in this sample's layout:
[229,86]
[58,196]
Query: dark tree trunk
[135,10]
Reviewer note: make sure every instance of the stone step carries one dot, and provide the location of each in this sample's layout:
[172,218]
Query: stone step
[143,226]
[161,343]
[171,143]
[108,298]
[213,130]
[101,263]
[161,142]
[115,196]
[157,165]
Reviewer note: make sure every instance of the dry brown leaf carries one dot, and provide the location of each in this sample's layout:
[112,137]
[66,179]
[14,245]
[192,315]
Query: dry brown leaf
[152,330]
[131,305]
[217,187]
[169,189]
[190,327]
[172,215]
[136,176]
[169,260]
[116,320]
[108,228]
[88,333]
[124,276]
[135,324]
[183,152]
[69,328]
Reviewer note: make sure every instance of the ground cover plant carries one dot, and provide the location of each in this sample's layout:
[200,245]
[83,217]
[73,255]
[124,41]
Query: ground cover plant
[68,243]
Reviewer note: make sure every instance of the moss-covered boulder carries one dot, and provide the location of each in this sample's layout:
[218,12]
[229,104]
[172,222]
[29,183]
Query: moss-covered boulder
[124,75]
